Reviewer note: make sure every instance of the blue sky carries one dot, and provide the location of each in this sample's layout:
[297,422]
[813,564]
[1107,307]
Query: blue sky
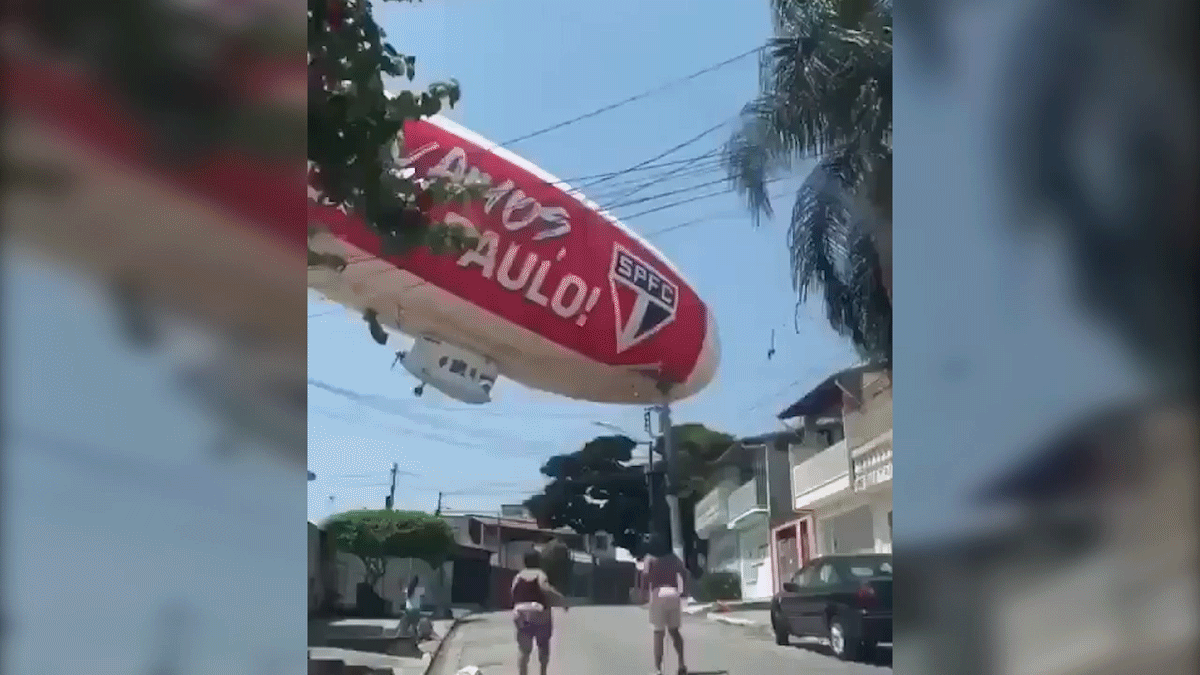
[525,65]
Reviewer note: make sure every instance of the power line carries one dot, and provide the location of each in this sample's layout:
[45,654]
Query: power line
[628,186]
[647,167]
[682,202]
[636,97]
[717,154]
[704,219]
[690,188]
[673,149]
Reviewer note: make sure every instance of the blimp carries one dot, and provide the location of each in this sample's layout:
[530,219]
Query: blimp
[558,295]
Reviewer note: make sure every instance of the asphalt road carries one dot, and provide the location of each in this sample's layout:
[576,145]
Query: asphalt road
[608,640]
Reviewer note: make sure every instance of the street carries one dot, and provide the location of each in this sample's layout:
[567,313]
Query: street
[607,640]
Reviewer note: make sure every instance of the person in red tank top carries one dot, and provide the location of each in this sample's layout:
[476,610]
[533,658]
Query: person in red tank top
[532,597]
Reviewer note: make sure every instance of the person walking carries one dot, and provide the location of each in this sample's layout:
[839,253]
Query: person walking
[413,598]
[532,596]
[664,579]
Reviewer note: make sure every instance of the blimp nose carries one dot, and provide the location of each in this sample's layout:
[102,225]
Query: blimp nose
[707,360]
[711,352]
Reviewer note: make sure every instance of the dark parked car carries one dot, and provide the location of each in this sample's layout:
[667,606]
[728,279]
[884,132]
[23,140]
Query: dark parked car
[845,598]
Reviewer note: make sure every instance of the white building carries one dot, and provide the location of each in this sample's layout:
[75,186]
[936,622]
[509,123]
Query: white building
[843,489]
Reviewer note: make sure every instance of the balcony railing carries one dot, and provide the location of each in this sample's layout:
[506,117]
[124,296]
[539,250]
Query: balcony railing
[873,462]
[711,511]
[746,501]
[823,475]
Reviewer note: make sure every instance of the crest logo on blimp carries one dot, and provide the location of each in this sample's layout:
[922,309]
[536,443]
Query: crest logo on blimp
[644,300]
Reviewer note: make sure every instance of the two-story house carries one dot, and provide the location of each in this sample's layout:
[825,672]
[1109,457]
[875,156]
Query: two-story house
[750,494]
[842,471]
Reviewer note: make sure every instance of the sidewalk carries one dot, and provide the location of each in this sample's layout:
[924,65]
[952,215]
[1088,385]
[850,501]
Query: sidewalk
[482,640]
[361,646]
[726,605]
[754,615]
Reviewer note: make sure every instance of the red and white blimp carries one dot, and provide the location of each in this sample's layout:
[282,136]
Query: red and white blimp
[558,295]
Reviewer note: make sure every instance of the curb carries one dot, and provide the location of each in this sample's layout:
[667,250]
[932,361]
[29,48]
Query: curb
[733,621]
[749,625]
[441,647]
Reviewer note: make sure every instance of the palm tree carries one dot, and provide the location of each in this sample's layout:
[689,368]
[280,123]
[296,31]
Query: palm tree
[825,93]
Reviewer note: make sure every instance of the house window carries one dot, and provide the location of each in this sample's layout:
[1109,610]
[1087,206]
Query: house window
[458,367]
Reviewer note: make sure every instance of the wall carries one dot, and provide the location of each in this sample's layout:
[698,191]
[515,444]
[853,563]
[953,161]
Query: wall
[723,552]
[874,416]
[779,477]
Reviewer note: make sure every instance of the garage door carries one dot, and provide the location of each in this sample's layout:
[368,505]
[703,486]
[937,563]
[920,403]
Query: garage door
[850,532]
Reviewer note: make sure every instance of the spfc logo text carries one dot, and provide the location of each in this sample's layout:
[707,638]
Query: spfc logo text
[644,300]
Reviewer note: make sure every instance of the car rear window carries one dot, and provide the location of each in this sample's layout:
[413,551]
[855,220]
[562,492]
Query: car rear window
[870,568]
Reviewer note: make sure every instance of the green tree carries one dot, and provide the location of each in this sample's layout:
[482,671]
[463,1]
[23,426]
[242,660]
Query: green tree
[355,131]
[597,489]
[374,536]
[825,93]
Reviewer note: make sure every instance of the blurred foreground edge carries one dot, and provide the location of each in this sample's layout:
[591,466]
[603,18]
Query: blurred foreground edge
[214,236]
[1090,565]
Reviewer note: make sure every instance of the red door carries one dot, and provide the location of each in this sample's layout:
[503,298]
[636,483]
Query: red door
[786,554]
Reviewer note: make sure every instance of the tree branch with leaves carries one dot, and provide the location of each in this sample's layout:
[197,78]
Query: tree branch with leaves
[356,153]
[374,536]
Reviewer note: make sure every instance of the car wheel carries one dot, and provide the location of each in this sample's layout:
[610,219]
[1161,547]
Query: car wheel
[782,636]
[843,645]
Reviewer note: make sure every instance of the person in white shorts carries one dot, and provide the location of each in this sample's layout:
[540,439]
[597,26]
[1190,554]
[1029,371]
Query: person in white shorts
[663,581]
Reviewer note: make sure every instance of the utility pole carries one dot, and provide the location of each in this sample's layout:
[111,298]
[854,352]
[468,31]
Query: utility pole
[649,434]
[670,453]
[391,498]
[444,598]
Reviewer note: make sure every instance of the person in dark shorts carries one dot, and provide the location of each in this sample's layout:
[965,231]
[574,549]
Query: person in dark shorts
[532,597]
[664,579]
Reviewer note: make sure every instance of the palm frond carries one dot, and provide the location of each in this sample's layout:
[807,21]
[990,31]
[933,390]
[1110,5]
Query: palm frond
[825,92]
[831,252]
[757,152]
